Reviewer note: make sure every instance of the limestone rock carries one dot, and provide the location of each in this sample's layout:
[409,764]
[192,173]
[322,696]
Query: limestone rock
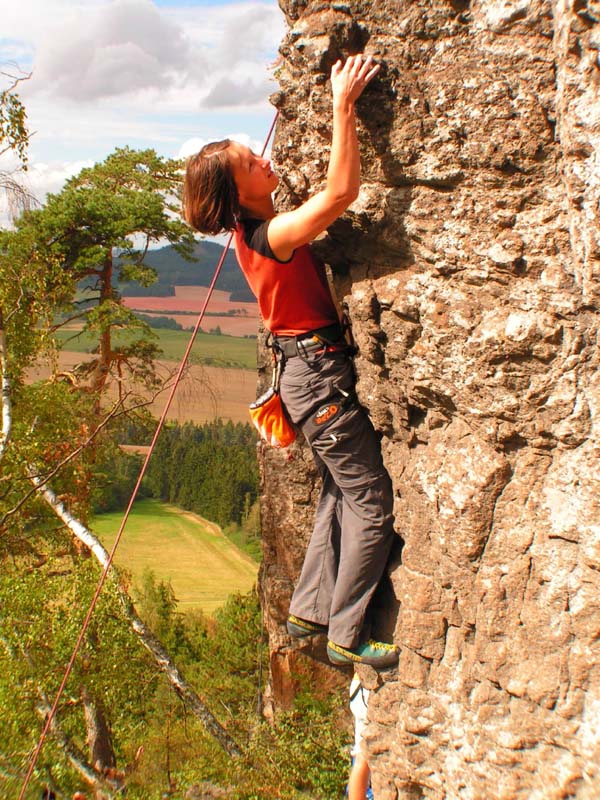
[470,265]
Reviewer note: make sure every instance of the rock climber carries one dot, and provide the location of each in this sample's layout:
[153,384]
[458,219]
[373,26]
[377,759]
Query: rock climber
[227,187]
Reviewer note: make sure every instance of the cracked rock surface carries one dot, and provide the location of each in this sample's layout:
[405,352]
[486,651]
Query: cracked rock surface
[470,265]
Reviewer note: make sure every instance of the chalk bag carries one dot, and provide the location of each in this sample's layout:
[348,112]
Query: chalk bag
[270,420]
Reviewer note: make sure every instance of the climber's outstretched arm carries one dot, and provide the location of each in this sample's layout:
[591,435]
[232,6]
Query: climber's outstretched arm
[291,229]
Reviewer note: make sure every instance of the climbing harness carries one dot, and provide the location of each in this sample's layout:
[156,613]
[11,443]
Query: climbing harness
[268,413]
[310,346]
[313,345]
[52,713]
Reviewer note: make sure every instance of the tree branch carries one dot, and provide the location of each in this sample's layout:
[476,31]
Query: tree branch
[58,325]
[95,778]
[77,759]
[17,304]
[19,198]
[73,753]
[144,634]
[16,79]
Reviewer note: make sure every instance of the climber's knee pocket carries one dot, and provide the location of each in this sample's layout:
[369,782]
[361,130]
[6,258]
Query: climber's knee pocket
[351,450]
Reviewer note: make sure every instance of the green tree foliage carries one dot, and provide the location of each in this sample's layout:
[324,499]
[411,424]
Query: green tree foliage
[302,754]
[108,209]
[30,289]
[62,430]
[115,477]
[246,535]
[209,469]
[14,137]
[13,121]
[33,652]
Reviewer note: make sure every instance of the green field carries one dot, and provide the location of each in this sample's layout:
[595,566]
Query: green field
[202,565]
[209,349]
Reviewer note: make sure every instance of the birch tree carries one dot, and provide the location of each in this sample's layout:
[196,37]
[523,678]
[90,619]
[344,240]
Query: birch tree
[13,138]
[145,635]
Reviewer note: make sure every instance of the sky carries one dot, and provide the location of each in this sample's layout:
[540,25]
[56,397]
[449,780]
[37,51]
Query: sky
[164,74]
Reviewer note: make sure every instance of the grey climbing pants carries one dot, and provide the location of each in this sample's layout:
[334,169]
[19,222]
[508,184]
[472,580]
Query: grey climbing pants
[353,530]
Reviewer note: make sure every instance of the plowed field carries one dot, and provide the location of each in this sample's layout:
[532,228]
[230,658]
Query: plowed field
[204,394]
[233,318]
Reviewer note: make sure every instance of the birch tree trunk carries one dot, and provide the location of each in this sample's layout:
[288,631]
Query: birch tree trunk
[92,776]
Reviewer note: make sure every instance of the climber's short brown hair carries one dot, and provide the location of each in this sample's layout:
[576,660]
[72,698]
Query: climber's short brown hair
[210,198]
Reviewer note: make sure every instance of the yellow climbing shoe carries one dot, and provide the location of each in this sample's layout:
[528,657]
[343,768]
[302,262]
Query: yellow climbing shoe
[379,655]
[300,628]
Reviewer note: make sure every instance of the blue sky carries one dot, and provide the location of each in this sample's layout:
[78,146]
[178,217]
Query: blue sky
[166,74]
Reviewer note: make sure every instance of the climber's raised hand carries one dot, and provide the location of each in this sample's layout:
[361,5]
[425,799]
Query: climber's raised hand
[349,78]
[292,229]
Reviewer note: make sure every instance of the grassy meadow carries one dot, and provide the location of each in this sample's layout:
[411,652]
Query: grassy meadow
[209,349]
[202,565]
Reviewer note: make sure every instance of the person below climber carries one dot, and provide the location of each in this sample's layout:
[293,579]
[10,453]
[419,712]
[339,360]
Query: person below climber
[359,781]
[228,187]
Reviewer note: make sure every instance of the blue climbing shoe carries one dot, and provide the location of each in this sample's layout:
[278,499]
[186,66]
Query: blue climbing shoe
[376,654]
[301,628]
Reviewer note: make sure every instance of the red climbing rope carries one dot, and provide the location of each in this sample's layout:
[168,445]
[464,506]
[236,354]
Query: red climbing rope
[108,565]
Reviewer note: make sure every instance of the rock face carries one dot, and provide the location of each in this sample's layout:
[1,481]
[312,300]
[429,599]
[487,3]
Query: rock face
[471,268]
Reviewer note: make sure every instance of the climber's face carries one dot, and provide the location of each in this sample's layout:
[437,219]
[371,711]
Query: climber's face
[253,176]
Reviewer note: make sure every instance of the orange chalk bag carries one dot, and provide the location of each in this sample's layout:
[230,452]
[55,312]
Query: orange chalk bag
[269,416]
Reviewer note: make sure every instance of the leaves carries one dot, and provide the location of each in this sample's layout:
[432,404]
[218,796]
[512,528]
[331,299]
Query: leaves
[103,209]
[13,124]
[102,223]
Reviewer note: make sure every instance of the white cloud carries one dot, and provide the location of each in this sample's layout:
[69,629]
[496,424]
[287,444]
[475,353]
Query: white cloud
[110,73]
[114,50]
[228,92]
[249,29]
[187,55]
[40,180]
[48,178]
[191,146]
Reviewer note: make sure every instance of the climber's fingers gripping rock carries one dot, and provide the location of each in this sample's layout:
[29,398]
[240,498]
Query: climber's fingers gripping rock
[349,78]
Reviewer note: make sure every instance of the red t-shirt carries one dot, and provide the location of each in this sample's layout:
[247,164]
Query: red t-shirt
[293,296]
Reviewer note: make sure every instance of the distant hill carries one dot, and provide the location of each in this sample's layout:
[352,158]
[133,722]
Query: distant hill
[173,270]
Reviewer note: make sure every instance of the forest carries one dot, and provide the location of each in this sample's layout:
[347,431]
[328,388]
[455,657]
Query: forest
[172,270]
[143,712]
[208,469]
